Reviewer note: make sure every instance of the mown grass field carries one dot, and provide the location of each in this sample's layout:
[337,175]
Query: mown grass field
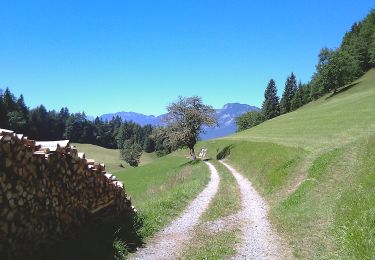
[316,168]
[111,157]
[331,121]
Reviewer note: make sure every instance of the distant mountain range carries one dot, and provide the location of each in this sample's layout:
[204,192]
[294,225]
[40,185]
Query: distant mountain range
[135,117]
[226,118]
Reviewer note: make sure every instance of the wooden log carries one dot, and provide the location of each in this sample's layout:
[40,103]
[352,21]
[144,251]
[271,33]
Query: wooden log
[6,131]
[90,161]
[30,143]
[48,180]
[81,155]
[52,145]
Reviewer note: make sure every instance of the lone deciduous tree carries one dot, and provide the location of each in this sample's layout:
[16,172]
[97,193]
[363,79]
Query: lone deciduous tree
[131,152]
[185,121]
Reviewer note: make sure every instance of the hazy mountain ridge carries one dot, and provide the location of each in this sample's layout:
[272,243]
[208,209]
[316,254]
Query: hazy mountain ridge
[226,119]
[135,117]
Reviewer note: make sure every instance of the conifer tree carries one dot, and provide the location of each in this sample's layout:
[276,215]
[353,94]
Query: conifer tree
[270,107]
[297,100]
[289,92]
[3,115]
[22,108]
[9,101]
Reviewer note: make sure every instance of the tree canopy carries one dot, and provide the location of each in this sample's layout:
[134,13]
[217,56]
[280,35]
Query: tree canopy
[40,124]
[186,119]
[248,120]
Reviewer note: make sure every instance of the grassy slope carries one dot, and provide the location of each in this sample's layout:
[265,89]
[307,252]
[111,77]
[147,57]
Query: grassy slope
[161,190]
[111,157]
[314,166]
[325,123]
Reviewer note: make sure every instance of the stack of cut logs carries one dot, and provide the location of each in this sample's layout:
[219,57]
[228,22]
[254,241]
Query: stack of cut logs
[48,190]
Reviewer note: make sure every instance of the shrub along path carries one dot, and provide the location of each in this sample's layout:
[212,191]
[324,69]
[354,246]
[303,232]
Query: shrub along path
[168,243]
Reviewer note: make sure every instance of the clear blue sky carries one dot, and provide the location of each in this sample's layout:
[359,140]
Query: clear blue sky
[108,56]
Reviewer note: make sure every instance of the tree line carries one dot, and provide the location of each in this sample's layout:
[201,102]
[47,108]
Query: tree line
[42,125]
[335,69]
[183,124]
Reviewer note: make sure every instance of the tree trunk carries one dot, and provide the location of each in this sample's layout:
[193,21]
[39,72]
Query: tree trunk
[192,154]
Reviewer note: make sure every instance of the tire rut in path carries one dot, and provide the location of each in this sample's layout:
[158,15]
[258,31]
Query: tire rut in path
[259,239]
[168,243]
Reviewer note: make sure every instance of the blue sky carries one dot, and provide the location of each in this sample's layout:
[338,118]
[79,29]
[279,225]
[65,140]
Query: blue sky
[108,56]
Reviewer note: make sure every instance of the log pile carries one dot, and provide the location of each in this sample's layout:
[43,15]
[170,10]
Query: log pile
[48,190]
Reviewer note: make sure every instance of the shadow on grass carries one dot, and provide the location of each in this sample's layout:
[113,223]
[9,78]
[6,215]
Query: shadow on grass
[191,162]
[225,152]
[110,239]
[343,89]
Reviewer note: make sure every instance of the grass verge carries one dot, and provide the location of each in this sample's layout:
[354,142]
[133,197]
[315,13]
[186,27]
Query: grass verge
[270,167]
[335,206]
[228,199]
[161,190]
[354,219]
[219,245]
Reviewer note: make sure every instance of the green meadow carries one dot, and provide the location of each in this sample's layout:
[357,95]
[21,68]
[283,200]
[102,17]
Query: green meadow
[111,157]
[161,190]
[315,166]
[331,121]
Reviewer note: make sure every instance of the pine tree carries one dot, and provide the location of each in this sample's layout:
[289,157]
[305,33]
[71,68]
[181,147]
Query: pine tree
[270,107]
[289,92]
[3,114]
[39,123]
[297,100]
[9,101]
[23,109]
[306,93]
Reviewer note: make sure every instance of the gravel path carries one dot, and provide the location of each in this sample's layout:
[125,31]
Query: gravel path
[167,244]
[259,241]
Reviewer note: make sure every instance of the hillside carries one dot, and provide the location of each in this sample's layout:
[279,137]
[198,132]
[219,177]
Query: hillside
[315,167]
[330,121]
